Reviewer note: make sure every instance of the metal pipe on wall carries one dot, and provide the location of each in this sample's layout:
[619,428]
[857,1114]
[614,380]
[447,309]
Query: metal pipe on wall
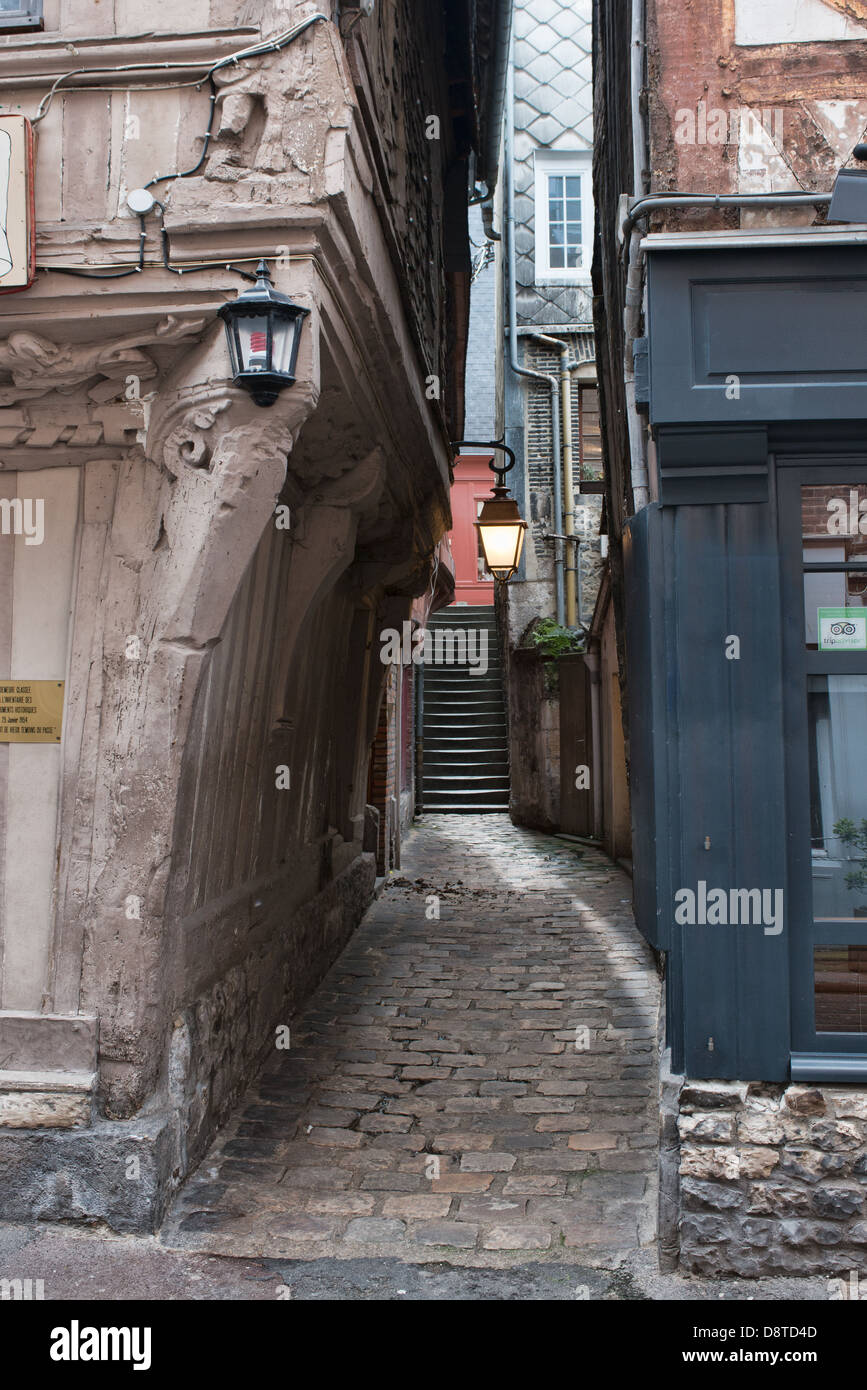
[491,154]
[660,202]
[561,493]
[635,278]
[573,552]
[573,367]
[518,370]
[592,662]
[419,738]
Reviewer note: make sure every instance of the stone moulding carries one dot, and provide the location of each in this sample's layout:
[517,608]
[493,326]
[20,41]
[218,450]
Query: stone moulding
[47,1070]
[34,1041]
[46,1100]
[27,62]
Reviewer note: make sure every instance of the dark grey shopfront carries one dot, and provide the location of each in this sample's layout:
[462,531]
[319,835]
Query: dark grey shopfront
[747,657]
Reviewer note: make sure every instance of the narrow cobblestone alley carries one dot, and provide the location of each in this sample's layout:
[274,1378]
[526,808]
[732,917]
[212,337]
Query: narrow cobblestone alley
[481,1083]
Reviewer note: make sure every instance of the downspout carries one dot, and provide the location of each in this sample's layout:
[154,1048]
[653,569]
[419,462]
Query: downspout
[573,367]
[561,560]
[398,752]
[491,152]
[518,370]
[573,552]
[635,277]
[564,489]
[419,738]
[591,661]
[641,207]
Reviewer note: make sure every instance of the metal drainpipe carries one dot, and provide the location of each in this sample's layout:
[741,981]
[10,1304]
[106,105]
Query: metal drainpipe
[592,662]
[634,279]
[657,202]
[640,208]
[565,605]
[574,598]
[491,154]
[419,737]
[579,596]
[631,328]
[553,384]
[567,485]
[573,552]
[642,205]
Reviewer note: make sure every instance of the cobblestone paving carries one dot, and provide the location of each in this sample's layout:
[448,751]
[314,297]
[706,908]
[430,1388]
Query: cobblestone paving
[479,1088]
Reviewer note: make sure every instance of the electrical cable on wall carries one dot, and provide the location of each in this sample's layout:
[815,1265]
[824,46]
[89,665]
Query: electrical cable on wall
[252,51]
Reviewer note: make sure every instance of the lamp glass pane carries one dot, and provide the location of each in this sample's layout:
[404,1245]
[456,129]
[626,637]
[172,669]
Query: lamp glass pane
[252,333]
[502,545]
[285,331]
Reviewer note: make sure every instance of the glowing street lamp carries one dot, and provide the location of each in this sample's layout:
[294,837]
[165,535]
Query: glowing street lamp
[501,531]
[500,525]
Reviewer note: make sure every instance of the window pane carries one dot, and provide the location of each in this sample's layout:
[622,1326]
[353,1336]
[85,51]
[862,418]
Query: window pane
[840,976]
[555,231]
[835,512]
[837,710]
[573,257]
[555,185]
[557,258]
[589,434]
[834,531]
[573,186]
[555,212]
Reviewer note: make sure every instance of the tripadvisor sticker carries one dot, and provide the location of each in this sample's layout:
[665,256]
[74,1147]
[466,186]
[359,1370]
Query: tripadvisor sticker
[842,629]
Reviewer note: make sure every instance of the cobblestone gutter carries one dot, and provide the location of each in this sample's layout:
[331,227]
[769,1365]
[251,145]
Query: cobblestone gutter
[772,1178]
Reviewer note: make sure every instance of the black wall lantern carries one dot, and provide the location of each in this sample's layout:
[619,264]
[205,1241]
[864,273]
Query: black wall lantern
[500,525]
[263,330]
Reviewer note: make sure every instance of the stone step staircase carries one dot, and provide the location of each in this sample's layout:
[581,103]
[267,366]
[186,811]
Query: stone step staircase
[466,751]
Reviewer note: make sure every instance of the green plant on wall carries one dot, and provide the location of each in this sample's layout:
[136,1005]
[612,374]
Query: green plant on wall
[856,836]
[553,640]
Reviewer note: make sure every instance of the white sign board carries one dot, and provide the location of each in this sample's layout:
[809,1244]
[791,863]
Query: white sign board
[842,629]
[17,224]
[799,21]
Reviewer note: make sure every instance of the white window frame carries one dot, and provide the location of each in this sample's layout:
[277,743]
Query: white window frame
[27,14]
[573,163]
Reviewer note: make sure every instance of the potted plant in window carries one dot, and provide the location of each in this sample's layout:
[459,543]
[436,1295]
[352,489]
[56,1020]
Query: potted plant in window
[855,836]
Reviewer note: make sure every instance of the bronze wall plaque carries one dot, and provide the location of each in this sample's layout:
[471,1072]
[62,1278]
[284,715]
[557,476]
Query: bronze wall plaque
[31,711]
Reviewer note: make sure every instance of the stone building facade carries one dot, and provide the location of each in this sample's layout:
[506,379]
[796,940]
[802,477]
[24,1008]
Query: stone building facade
[183,865]
[722,129]
[553,413]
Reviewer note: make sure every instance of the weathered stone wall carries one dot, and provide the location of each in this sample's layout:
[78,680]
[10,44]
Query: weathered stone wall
[803,76]
[220,1040]
[587,465]
[773,1179]
[194,902]
[534,740]
[265,888]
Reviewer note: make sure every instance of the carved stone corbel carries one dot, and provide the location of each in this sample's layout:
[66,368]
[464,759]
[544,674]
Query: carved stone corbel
[38,366]
[180,540]
[190,444]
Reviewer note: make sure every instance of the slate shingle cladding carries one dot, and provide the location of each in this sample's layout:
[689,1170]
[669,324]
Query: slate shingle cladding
[553,110]
[481,405]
